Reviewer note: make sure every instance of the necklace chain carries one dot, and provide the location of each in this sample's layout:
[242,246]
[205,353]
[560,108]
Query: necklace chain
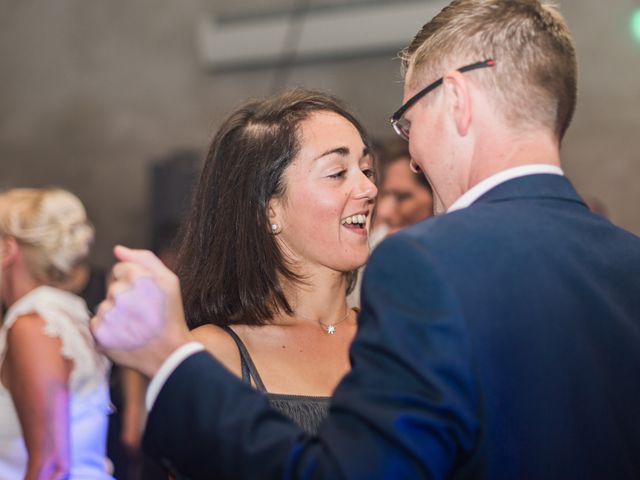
[330,328]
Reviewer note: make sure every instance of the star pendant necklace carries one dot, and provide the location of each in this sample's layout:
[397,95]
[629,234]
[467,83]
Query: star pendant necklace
[330,328]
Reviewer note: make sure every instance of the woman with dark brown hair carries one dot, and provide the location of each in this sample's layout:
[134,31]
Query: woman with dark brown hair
[279,220]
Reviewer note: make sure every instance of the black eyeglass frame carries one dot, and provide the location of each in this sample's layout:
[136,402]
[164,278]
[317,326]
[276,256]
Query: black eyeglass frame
[397,116]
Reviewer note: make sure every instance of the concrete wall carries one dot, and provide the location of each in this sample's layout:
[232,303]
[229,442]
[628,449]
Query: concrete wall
[92,92]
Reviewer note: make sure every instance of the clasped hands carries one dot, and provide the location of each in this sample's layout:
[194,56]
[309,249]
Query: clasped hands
[141,322]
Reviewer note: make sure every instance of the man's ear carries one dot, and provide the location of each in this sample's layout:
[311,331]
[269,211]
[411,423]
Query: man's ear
[459,95]
[9,251]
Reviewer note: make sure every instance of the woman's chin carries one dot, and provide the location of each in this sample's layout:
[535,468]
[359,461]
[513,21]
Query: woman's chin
[355,263]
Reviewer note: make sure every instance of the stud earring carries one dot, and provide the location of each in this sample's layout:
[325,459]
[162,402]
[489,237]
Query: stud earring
[274,227]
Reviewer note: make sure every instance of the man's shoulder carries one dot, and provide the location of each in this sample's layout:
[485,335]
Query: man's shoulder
[473,220]
[513,228]
[436,239]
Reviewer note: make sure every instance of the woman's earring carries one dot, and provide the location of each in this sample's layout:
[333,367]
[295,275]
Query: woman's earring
[274,228]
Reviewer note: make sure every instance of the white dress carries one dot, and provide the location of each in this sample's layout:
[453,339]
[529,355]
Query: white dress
[66,317]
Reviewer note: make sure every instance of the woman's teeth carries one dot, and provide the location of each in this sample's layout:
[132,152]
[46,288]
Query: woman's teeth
[355,220]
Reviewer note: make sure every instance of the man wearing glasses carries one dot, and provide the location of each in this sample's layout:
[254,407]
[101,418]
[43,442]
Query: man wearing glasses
[499,340]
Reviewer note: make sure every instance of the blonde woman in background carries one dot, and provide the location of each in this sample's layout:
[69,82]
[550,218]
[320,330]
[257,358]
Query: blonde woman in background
[54,398]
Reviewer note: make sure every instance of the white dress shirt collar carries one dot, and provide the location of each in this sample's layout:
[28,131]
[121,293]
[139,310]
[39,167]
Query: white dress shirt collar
[475,192]
[167,368]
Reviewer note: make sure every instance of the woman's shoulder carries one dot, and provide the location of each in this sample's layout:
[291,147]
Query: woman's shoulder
[220,344]
[28,332]
[62,316]
[32,354]
[48,302]
[214,335]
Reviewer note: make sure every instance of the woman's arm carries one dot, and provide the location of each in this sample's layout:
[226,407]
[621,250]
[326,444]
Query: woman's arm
[134,386]
[37,377]
[217,341]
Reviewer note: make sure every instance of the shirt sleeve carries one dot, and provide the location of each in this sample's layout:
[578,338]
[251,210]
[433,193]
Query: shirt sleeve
[167,368]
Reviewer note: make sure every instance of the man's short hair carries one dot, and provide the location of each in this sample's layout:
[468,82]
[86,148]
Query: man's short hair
[534,82]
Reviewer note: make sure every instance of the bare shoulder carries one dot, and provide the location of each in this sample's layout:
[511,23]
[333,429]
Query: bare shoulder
[32,352]
[28,332]
[220,344]
[25,324]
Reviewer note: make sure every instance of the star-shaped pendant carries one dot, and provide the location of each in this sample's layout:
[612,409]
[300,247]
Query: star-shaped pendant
[331,329]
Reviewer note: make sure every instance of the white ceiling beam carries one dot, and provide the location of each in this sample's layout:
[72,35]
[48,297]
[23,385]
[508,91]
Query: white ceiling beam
[328,33]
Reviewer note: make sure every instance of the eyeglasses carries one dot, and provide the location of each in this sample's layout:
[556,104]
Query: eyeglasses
[401,125]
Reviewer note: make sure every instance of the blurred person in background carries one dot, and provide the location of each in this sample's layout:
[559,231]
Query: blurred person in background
[54,397]
[597,206]
[405,197]
[128,390]
[128,387]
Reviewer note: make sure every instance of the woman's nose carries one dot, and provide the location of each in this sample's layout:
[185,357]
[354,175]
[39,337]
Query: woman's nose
[366,188]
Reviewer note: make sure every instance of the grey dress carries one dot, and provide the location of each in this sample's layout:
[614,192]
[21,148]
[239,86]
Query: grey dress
[306,411]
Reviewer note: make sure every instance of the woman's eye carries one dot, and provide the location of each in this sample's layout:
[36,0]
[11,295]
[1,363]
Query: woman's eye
[337,174]
[369,172]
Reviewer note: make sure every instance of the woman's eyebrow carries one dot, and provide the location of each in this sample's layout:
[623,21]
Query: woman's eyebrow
[342,151]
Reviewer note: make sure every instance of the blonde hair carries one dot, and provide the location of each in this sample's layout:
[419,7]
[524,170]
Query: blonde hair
[52,228]
[534,82]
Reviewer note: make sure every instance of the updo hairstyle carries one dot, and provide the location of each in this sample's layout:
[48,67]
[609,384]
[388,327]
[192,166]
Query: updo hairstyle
[52,229]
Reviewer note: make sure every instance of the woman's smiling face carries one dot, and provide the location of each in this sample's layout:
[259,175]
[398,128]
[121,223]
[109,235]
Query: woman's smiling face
[325,212]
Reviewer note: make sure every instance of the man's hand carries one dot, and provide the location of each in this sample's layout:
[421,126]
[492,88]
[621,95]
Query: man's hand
[141,322]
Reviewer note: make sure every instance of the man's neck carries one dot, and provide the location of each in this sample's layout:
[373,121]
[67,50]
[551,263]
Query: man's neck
[495,157]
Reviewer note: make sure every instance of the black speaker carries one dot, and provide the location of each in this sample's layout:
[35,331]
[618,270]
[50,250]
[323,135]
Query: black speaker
[172,180]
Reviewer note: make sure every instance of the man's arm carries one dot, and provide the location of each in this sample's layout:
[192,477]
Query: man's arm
[408,408]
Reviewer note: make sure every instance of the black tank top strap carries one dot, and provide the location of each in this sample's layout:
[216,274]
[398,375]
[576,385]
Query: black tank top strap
[248,368]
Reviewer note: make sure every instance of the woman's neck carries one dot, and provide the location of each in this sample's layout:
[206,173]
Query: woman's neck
[17,285]
[321,298]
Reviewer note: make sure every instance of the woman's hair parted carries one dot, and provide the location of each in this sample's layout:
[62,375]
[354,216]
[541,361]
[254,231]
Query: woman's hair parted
[229,263]
[51,226]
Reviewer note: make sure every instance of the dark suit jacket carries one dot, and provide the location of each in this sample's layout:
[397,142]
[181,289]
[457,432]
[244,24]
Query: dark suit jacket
[501,341]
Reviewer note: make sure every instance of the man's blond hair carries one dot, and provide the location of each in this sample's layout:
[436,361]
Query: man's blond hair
[534,82]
